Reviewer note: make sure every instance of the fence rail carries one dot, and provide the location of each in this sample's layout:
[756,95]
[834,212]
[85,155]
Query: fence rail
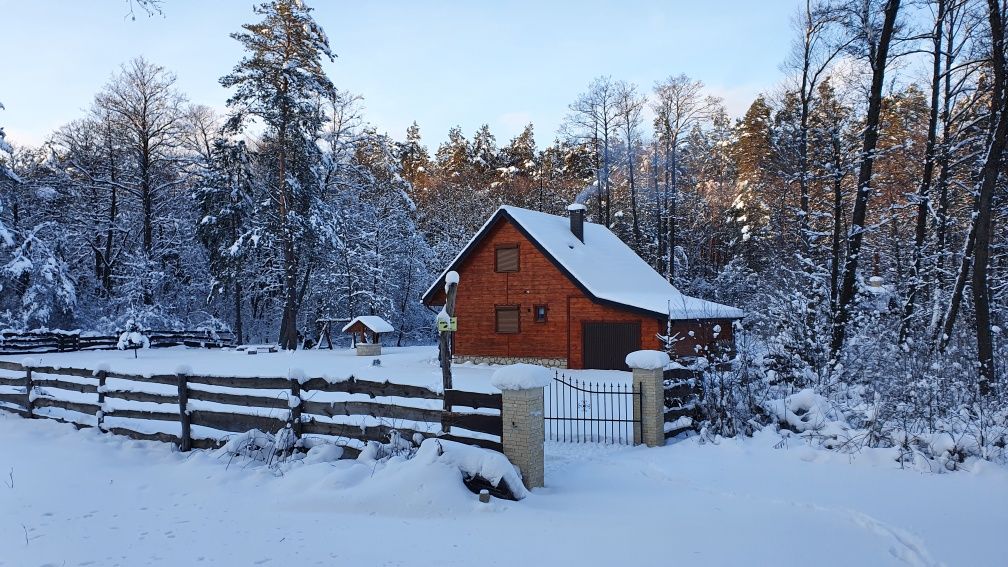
[96,397]
[41,342]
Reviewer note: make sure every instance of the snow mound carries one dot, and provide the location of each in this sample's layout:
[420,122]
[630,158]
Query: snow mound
[806,411]
[473,462]
[648,359]
[521,377]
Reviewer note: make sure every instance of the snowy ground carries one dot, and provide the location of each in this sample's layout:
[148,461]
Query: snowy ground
[83,498]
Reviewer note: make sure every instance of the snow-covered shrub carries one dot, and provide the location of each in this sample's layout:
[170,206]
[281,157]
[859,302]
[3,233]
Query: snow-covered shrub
[133,340]
[254,445]
[397,446]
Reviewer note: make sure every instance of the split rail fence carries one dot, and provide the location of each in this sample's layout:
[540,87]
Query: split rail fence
[229,405]
[65,341]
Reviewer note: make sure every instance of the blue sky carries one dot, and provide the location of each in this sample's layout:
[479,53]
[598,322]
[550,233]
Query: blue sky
[437,62]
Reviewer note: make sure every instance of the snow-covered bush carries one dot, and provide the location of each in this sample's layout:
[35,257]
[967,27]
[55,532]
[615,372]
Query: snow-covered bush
[272,450]
[396,446]
[133,340]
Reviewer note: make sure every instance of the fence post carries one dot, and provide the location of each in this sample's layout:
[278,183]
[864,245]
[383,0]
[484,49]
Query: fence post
[185,438]
[29,386]
[649,396]
[102,374]
[524,431]
[295,406]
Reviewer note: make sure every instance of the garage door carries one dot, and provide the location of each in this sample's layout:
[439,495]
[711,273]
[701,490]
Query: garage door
[607,344]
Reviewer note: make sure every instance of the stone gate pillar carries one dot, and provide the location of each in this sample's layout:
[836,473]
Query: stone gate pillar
[524,418]
[649,407]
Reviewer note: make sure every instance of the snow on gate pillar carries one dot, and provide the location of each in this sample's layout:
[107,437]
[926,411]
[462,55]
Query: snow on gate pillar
[524,418]
[649,407]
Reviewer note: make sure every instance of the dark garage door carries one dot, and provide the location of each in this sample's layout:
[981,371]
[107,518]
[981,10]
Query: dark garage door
[607,344]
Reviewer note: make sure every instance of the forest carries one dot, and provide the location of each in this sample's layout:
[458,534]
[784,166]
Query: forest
[857,212]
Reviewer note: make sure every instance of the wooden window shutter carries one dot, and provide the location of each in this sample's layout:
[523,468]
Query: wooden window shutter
[508,319]
[507,258]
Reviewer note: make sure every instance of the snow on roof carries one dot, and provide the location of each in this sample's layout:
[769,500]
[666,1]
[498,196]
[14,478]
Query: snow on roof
[606,267]
[373,322]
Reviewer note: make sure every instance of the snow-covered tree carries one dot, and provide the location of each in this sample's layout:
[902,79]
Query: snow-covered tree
[279,82]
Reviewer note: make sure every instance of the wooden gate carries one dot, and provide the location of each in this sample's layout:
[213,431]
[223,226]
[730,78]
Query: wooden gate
[606,344]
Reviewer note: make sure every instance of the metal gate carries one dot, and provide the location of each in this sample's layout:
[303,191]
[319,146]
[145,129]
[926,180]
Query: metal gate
[606,344]
[591,412]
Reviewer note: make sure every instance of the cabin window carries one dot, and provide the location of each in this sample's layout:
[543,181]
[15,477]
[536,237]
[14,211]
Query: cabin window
[508,320]
[507,258]
[539,311]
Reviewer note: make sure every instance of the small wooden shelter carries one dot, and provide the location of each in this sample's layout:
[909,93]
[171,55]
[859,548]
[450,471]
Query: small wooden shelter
[369,329]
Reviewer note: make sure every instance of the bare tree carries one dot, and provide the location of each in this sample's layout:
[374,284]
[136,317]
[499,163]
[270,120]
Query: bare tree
[813,52]
[877,40]
[594,118]
[629,104]
[985,192]
[679,106]
[145,105]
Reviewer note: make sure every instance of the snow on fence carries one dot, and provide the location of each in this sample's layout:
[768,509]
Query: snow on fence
[39,342]
[201,411]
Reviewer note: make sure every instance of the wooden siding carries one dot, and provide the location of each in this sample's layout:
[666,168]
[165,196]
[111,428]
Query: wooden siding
[539,282]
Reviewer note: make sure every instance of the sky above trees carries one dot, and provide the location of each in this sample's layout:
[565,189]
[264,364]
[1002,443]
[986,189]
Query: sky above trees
[441,64]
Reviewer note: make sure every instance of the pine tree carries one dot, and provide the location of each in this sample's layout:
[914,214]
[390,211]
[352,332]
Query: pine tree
[279,81]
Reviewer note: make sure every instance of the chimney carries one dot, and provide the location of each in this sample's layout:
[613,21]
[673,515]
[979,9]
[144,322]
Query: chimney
[577,213]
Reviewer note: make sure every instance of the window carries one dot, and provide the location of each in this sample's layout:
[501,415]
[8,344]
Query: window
[508,320]
[507,258]
[539,311]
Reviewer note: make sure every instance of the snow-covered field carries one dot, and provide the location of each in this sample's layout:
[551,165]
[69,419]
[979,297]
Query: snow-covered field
[406,365]
[83,498]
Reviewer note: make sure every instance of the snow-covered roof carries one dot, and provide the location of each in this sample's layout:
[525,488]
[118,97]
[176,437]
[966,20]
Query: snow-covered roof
[373,322]
[603,266]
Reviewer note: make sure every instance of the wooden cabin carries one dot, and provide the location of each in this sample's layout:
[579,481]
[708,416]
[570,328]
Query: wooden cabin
[563,292]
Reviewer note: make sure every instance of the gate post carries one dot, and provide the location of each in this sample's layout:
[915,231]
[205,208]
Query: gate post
[649,396]
[523,414]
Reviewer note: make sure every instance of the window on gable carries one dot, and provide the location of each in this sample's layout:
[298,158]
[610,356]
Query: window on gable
[508,319]
[507,258]
[539,312]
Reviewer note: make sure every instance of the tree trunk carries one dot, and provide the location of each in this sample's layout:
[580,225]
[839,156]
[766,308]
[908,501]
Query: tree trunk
[856,237]
[672,202]
[916,279]
[988,181]
[633,186]
[239,332]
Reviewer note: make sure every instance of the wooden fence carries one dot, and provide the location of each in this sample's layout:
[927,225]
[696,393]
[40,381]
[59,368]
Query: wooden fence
[63,341]
[158,402]
[683,392]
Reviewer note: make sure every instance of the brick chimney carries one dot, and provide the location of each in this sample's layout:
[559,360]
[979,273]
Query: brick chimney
[576,211]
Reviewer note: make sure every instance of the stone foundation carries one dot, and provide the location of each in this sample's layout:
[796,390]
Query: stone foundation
[548,362]
[368,349]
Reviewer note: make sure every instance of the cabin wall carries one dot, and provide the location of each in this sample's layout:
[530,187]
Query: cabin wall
[539,282]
